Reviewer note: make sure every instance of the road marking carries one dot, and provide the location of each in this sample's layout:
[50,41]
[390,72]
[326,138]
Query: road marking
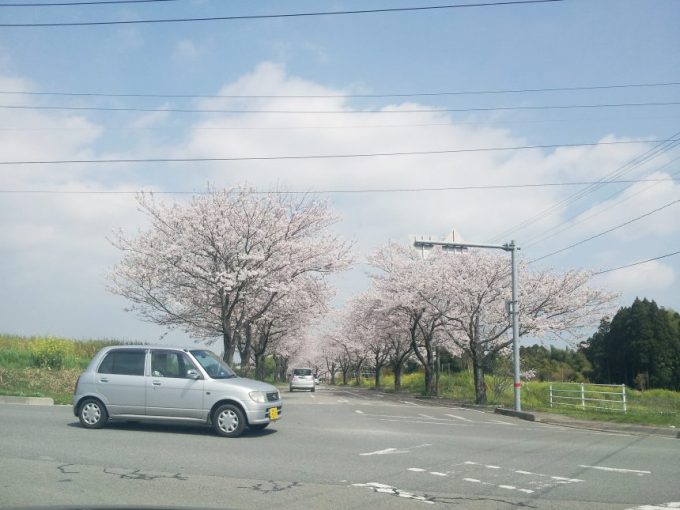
[473,480]
[343,401]
[409,403]
[388,489]
[428,422]
[509,487]
[358,411]
[502,422]
[437,473]
[457,417]
[417,470]
[429,417]
[638,472]
[661,506]
[386,451]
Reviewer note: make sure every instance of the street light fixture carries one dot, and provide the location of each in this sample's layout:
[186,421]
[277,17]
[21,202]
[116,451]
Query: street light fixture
[513,308]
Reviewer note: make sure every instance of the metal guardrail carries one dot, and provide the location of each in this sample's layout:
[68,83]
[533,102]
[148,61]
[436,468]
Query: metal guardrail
[610,397]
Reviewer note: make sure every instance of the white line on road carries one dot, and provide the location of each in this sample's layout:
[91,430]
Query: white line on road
[428,417]
[638,472]
[429,422]
[437,473]
[457,417]
[359,412]
[386,451]
[417,470]
[662,506]
[409,403]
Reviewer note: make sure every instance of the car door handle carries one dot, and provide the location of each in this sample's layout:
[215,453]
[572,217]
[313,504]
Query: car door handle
[156,383]
[103,379]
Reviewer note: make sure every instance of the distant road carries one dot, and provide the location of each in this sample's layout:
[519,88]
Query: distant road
[339,449]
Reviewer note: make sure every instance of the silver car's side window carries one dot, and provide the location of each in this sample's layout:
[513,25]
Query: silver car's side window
[123,363]
[170,364]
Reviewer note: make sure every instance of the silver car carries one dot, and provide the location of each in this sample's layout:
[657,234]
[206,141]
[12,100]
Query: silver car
[172,384]
[302,379]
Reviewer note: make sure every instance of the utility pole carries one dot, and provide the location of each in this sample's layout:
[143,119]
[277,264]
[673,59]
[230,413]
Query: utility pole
[514,304]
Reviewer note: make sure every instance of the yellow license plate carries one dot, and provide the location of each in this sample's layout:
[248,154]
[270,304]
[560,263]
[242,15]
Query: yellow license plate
[273,413]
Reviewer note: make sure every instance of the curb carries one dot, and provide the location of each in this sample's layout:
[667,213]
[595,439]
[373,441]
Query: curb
[27,401]
[516,414]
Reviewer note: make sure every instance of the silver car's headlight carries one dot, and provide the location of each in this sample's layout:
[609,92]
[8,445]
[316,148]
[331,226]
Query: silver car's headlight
[258,396]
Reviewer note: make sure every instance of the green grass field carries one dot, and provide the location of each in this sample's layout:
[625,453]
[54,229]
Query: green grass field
[651,407]
[44,366]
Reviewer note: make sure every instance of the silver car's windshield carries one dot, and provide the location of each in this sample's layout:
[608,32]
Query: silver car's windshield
[213,365]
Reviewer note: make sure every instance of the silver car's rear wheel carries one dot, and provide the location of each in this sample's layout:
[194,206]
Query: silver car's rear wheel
[92,414]
[229,421]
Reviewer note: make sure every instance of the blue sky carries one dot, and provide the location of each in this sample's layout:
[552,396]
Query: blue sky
[54,250]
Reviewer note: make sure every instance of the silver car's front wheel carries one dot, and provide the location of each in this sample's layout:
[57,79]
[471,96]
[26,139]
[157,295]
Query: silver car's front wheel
[229,421]
[92,414]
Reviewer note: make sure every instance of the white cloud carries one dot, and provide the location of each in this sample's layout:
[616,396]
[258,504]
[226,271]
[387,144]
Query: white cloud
[643,280]
[59,242]
[186,49]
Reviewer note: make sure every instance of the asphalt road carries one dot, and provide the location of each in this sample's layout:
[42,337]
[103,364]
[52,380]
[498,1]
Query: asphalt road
[334,448]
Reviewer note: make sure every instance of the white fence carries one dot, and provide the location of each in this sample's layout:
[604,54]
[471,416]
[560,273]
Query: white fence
[589,396]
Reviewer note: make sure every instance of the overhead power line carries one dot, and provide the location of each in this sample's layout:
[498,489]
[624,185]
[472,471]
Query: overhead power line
[92,2]
[569,223]
[313,156]
[326,191]
[339,96]
[607,231]
[342,112]
[640,159]
[253,17]
[637,263]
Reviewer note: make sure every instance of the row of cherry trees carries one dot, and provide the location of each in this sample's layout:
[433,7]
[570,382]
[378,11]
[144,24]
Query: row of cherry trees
[248,268]
[455,301]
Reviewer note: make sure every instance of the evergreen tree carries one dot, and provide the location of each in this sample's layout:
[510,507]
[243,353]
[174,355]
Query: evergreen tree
[640,347]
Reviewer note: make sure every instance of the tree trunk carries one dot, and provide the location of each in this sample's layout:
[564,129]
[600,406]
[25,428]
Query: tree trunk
[430,382]
[332,371]
[345,372]
[260,367]
[358,373]
[229,346]
[478,375]
[378,368]
[245,350]
[397,377]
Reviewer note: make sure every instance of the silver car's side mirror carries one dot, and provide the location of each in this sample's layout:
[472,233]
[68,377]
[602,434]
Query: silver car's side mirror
[193,374]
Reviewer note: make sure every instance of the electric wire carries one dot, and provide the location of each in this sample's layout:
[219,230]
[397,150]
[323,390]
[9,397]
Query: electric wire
[637,218]
[341,112]
[339,96]
[327,191]
[637,263]
[83,2]
[654,152]
[315,156]
[252,17]
[543,237]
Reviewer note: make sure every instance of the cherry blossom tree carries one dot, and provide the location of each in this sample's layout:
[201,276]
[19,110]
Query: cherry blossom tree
[457,301]
[222,260]
[289,316]
[379,334]
[471,289]
[405,286]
